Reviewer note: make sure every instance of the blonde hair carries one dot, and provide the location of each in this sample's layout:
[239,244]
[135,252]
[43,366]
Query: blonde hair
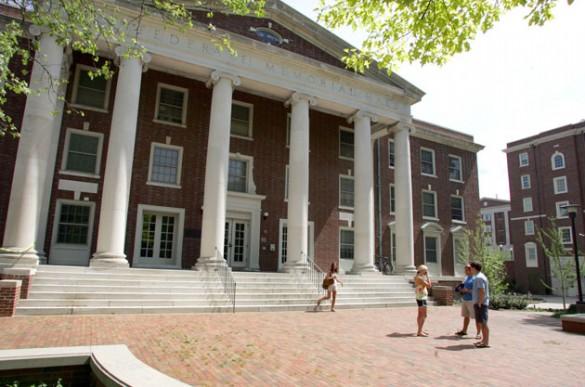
[422,268]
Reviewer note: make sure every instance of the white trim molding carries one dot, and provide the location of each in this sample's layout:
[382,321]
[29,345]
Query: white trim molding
[65,156]
[250,108]
[81,67]
[185,91]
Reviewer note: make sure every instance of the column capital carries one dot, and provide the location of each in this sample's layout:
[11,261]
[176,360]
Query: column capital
[216,75]
[297,97]
[362,114]
[36,30]
[125,52]
[405,126]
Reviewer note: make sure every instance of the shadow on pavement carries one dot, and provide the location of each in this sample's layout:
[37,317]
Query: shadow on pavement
[401,335]
[453,337]
[460,347]
[543,320]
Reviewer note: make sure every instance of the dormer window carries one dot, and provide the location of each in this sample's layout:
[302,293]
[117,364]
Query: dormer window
[268,35]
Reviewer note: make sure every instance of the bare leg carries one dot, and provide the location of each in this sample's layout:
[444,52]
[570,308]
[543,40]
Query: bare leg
[478,328]
[485,333]
[465,324]
[420,320]
[333,301]
[326,297]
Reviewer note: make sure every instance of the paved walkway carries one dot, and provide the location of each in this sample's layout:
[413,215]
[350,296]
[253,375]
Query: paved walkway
[350,347]
[552,302]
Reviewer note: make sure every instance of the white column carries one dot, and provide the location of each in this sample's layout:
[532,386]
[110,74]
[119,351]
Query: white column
[118,175]
[35,159]
[403,191]
[363,216]
[298,184]
[216,172]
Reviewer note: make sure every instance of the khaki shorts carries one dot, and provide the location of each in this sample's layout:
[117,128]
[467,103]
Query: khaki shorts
[467,309]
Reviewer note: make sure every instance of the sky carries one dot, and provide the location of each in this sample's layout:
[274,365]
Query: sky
[516,81]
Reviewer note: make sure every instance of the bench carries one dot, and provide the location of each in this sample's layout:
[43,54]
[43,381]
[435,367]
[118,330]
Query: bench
[574,323]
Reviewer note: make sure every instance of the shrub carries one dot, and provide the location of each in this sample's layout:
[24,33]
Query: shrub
[509,301]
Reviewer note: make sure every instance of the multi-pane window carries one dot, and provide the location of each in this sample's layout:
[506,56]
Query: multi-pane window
[238,176]
[527,204]
[73,224]
[286,183]
[561,209]
[165,164]
[392,199]
[558,161]
[529,227]
[427,162]
[457,208]
[531,254]
[171,104]
[346,192]
[241,123]
[148,234]
[158,236]
[525,181]
[565,235]
[90,92]
[82,152]
[284,240]
[288,121]
[455,168]
[429,203]
[345,244]
[346,143]
[431,249]
[523,159]
[393,246]
[391,153]
[560,185]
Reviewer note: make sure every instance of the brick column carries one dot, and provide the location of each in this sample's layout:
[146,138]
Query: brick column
[23,275]
[9,296]
[443,295]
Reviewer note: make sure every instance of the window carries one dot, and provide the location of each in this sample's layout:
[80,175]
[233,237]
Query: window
[431,249]
[238,175]
[560,185]
[82,152]
[391,153]
[286,183]
[523,159]
[73,224]
[429,202]
[88,92]
[287,129]
[487,217]
[241,124]
[346,143]
[561,211]
[165,165]
[171,104]
[393,246]
[525,181]
[392,199]
[457,212]
[557,161]
[346,191]
[531,254]
[283,241]
[527,204]
[566,235]
[529,227]
[346,244]
[427,162]
[455,168]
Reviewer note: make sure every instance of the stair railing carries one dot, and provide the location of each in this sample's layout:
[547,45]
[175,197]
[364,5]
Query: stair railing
[227,280]
[314,274]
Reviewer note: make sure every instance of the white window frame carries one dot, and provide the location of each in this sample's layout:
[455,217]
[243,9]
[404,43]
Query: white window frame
[179,212]
[288,124]
[522,181]
[392,185]
[570,241]
[552,161]
[179,165]
[462,221]
[56,222]
[339,244]
[460,168]
[185,92]
[437,236]
[65,156]
[560,178]
[520,159]
[250,186]
[527,247]
[286,171]
[341,176]
[436,217]
[529,230]
[527,204]
[74,103]
[434,174]
[391,141]
[310,241]
[558,206]
[345,129]
[250,120]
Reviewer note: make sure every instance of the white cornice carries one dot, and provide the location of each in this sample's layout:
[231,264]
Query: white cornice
[545,139]
[435,136]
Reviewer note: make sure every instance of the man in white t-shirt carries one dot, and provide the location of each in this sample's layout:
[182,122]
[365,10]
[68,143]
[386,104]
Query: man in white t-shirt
[481,302]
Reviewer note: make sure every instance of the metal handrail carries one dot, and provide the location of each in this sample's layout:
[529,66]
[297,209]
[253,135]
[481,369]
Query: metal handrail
[228,281]
[314,274]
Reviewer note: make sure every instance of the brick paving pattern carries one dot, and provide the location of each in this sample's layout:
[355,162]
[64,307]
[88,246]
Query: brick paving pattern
[350,347]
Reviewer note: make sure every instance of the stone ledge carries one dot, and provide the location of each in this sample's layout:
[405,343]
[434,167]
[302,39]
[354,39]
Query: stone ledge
[18,271]
[10,283]
[574,323]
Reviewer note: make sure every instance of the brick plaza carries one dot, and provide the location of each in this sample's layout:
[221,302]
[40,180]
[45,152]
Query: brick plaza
[349,347]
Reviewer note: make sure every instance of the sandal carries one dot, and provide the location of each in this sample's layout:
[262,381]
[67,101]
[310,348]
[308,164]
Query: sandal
[461,333]
[478,337]
[481,345]
[424,334]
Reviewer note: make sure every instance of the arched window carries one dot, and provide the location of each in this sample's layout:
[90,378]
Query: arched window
[531,254]
[557,160]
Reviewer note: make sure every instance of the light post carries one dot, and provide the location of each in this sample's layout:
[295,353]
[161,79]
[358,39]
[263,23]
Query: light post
[572,210]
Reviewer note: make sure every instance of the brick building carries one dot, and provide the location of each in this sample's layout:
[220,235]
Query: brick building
[546,171]
[194,157]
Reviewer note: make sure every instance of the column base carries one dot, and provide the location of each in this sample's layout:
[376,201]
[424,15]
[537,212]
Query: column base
[363,269]
[405,269]
[295,267]
[209,264]
[14,257]
[105,260]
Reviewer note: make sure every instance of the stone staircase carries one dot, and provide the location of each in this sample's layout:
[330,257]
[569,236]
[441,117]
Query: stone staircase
[83,290]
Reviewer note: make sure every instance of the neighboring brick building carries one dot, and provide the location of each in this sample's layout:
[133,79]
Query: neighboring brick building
[546,171]
[207,155]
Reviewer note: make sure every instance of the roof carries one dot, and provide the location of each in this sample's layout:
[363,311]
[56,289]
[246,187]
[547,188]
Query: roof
[551,132]
[493,202]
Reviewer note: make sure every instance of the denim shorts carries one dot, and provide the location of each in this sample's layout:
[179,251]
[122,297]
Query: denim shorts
[481,313]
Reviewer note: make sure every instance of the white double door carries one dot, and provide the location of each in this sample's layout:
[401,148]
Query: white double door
[236,248]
